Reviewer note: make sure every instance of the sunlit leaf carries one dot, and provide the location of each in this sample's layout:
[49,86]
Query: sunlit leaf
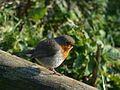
[37,13]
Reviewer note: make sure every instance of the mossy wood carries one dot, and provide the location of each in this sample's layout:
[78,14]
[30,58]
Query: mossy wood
[20,74]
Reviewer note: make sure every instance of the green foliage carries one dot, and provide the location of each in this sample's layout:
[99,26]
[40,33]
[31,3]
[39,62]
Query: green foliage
[89,22]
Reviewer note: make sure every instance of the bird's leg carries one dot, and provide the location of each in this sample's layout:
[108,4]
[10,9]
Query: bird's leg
[55,72]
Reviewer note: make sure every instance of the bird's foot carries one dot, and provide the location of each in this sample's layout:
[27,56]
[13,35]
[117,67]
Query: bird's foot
[55,72]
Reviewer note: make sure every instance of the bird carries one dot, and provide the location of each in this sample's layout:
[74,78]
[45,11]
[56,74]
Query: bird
[51,52]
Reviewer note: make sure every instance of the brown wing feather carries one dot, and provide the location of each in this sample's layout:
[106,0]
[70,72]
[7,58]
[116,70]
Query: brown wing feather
[46,48]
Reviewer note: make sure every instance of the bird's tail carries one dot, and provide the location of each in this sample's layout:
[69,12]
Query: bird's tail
[25,54]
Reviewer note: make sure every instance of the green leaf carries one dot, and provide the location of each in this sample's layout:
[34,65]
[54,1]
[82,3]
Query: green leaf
[111,52]
[62,8]
[37,13]
[72,15]
[78,61]
[90,65]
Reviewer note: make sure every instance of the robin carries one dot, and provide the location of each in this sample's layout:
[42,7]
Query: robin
[52,52]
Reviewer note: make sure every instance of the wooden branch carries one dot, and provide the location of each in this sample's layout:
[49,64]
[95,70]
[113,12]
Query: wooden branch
[95,69]
[22,8]
[20,74]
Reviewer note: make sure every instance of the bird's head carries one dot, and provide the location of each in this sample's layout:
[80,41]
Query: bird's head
[66,42]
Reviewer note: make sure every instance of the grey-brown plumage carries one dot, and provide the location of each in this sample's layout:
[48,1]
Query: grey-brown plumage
[46,48]
[53,51]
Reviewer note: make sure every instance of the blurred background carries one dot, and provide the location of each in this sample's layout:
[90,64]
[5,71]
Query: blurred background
[94,24]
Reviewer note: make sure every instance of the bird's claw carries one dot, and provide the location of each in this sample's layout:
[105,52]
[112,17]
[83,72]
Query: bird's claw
[55,72]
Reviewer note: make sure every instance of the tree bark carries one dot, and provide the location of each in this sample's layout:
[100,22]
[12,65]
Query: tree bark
[20,74]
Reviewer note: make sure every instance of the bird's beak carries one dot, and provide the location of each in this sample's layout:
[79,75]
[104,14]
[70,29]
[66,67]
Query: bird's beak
[71,47]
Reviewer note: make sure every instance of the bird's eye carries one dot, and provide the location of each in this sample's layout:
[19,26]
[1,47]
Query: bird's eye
[67,42]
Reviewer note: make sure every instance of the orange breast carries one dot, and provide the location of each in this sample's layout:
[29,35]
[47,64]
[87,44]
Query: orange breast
[65,50]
